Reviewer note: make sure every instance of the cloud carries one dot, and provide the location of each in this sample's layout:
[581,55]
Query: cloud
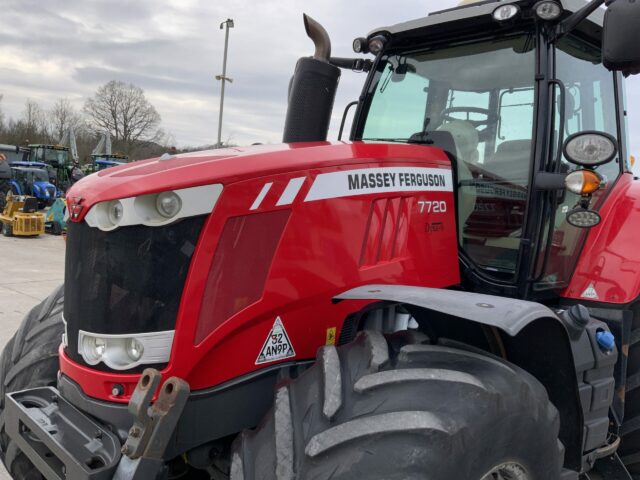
[173,50]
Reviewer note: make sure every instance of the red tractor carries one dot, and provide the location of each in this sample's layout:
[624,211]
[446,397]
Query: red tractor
[451,294]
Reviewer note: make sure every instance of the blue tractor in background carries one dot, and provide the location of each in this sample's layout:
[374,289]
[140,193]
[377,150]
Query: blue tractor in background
[103,161]
[32,178]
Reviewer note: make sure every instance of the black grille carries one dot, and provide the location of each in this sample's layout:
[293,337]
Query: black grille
[129,280]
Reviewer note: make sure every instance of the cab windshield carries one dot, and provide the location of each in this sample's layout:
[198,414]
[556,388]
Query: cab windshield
[477,102]
[56,156]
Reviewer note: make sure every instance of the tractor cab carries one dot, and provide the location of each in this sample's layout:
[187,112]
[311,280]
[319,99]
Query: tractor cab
[501,89]
[63,171]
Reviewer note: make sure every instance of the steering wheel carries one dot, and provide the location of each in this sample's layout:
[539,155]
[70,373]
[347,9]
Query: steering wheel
[447,115]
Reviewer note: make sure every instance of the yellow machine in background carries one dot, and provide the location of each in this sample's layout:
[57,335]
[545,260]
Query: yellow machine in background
[20,217]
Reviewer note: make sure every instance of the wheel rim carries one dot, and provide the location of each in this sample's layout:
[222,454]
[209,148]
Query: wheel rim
[507,471]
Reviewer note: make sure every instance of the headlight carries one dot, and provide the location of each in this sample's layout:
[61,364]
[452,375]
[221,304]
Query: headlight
[590,149]
[123,352]
[154,210]
[548,10]
[506,12]
[582,218]
[92,349]
[168,204]
[377,43]
[135,349]
[115,211]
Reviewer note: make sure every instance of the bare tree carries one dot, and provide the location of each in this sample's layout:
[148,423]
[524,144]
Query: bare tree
[123,109]
[31,127]
[62,117]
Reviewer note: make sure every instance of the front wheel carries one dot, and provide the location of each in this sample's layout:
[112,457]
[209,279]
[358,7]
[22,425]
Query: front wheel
[7,231]
[390,409]
[29,360]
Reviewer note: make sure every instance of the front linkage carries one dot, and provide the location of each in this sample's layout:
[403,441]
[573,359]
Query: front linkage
[64,443]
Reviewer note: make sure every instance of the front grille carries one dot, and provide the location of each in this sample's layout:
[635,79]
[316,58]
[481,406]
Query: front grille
[129,280]
[52,191]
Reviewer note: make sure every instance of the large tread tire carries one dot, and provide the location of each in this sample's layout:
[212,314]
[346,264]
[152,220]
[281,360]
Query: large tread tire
[30,359]
[630,431]
[383,408]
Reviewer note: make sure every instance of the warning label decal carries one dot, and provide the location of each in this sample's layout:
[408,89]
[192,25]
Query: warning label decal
[590,292]
[277,345]
[379,180]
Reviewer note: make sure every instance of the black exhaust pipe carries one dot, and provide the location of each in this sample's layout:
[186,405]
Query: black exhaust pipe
[312,90]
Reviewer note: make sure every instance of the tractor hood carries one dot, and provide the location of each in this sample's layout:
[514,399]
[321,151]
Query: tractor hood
[227,166]
[44,189]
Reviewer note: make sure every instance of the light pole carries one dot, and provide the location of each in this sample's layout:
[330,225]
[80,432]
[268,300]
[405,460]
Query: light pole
[223,78]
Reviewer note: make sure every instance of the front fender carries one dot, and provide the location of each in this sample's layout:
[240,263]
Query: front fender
[576,372]
[15,187]
[505,313]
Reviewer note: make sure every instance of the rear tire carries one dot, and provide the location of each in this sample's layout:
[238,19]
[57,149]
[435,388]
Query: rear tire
[30,359]
[393,409]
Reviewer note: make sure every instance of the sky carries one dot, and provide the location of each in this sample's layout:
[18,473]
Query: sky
[173,49]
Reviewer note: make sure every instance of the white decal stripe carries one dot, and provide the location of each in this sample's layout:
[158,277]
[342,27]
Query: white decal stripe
[366,181]
[290,193]
[261,195]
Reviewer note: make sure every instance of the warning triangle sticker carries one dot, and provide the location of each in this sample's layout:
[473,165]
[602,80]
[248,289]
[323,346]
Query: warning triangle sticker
[590,292]
[277,345]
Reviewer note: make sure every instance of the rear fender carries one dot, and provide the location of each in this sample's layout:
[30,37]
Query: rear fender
[576,374]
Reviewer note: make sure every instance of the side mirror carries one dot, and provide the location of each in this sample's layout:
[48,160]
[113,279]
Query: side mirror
[620,47]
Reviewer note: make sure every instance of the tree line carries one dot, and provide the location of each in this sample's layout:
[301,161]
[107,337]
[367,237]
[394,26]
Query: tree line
[118,107]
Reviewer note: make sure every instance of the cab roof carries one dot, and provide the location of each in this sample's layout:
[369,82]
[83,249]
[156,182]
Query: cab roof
[447,23]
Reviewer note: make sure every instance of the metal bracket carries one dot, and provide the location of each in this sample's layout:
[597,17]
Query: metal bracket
[153,425]
[612,468]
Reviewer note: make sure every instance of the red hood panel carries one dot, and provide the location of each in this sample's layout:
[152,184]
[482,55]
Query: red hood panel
[235,164]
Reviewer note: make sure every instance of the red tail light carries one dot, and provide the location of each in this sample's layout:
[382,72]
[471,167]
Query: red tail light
[240,267]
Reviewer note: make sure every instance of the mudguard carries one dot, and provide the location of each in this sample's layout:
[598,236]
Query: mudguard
[15,186]
[505,313]
[560,348]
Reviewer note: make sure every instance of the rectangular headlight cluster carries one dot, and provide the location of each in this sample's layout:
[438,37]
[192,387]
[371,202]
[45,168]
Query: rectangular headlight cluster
[155,209]
[123,352]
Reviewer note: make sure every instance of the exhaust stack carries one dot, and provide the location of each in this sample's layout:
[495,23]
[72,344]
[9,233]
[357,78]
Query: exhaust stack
[312,90]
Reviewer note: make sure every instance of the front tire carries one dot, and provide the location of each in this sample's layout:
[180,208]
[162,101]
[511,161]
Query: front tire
[392,409]
[7,231]
[29,360]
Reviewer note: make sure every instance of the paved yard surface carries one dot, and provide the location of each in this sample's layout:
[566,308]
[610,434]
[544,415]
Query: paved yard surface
[32,268]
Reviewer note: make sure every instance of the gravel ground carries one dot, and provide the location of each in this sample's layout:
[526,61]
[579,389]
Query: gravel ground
[32,268]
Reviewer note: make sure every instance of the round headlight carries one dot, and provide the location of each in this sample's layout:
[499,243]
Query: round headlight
[115,211]
[582,218]
[376,44]
[505,12]
[168,204]
[590,148]
[360,45]
[93,349]
[583,182]
[135,349]
[548,10]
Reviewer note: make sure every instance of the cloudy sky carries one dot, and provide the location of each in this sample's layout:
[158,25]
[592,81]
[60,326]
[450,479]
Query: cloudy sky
[173,50]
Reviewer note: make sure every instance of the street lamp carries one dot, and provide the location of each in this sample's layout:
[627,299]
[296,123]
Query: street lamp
[228,23]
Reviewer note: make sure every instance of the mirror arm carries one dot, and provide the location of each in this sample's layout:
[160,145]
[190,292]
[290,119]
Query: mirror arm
[355,64]
[572,21]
